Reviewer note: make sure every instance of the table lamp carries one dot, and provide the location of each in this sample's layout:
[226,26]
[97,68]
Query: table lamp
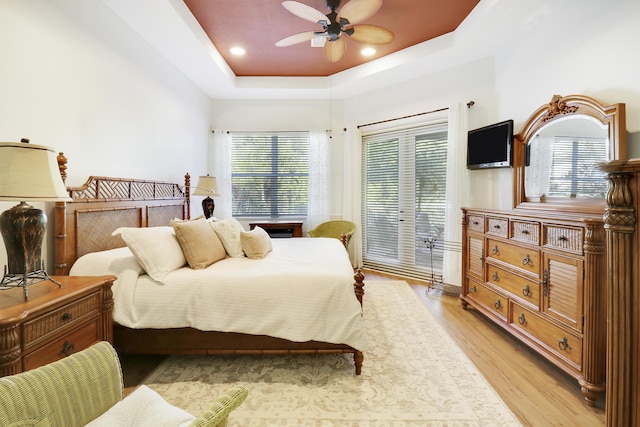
[207,186]
[28,173]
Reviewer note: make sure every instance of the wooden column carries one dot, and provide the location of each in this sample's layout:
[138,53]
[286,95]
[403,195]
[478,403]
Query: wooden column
[620,225]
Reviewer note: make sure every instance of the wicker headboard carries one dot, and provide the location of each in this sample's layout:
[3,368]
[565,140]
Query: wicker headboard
[103,204]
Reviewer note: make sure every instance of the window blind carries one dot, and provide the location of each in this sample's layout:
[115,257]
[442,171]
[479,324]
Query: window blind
[404,187]
[574,169]
[269,174]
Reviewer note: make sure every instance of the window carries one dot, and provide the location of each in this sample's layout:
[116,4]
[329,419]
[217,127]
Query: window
[404,188]
[270,174]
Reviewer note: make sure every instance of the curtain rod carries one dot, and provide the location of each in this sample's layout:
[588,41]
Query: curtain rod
[469,105]
[404,117]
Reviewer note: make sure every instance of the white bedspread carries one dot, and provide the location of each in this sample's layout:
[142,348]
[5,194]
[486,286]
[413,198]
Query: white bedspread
[301,291]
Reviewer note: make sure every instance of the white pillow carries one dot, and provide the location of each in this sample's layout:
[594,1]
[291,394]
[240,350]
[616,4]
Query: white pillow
[143,408]
[228,230]
[156,249]
[256,243]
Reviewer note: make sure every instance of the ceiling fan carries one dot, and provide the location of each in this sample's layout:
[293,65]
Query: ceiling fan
[337,23]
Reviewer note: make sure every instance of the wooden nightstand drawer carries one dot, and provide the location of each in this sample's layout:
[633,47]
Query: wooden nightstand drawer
[475,223]
[564,238]
[41,328]
[528,232]
[520,287]
[65,345]
[495,302]
[522,258]
[557,340]
[498,226]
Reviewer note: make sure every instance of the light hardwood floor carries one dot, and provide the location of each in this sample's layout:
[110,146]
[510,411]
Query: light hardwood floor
[537,392]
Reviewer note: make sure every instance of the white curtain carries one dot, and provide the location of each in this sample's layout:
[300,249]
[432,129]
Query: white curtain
[538,174]
[220,165]
[352,190]
[317,209]
[456,194]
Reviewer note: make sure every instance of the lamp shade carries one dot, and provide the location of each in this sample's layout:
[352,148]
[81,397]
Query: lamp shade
[207,186]
[30,173]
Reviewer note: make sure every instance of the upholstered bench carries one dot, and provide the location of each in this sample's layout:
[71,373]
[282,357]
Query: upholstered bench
[87,388]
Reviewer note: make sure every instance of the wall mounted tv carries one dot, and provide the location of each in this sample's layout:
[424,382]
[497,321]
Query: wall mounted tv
[490,146]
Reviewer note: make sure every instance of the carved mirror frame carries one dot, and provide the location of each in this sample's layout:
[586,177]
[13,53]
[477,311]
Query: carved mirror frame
[561,107]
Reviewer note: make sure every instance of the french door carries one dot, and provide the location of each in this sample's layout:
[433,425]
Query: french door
[404,187]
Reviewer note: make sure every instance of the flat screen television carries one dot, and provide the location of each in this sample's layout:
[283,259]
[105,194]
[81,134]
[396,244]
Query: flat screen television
[490,146]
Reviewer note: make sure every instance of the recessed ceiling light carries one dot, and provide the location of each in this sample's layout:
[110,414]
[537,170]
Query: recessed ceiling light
[368,51]
[238,51]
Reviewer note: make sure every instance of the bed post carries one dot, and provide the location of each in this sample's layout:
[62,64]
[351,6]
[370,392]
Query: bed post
[60,225]
[187,190]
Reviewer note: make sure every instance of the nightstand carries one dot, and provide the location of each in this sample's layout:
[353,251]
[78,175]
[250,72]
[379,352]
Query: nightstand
[55,322]
[277,229]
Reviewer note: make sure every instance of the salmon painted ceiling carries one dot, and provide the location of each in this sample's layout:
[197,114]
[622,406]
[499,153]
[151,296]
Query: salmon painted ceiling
[256,26]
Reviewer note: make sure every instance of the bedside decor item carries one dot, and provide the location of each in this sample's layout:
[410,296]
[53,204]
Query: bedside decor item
[207,186]
[28,173]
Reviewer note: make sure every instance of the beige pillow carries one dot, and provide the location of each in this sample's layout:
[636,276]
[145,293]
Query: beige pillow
[200,244]
[228,230]
[155,248]
[256,243]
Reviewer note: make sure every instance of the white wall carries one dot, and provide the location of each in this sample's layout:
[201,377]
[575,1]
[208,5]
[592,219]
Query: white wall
[75,77]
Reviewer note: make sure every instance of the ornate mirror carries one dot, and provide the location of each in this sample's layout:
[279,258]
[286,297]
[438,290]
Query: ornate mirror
[557,153]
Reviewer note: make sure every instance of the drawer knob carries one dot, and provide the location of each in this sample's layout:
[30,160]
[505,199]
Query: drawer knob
[476,223]
[494,276]
[526,260]
[521,319]
[563,344]
[562,238]
[67,349]
[495,250]
[498,305]
[66,317]
[473,289]
[525,232]
[526,291]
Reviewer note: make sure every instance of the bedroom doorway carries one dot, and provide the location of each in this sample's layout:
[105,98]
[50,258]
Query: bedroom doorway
[404,188]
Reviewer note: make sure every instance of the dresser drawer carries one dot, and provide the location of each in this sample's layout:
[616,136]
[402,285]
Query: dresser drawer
[76,340]
[522,258]
[564,238]
[498,226]
[562,343]
[475,223]
[45,326]
[528,232]
[490,299]
[524,289]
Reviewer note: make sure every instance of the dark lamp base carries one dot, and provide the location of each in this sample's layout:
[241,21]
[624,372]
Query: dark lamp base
[208,206]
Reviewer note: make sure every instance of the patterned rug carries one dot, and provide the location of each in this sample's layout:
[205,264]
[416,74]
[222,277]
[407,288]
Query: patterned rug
[413,375]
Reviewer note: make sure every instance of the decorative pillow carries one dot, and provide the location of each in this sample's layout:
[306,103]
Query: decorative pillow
[256,243]
[200,244]
[145,408]
[228,230]
[156,249]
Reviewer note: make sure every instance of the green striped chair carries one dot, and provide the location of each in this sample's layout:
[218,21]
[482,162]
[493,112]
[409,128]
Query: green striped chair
[87,387]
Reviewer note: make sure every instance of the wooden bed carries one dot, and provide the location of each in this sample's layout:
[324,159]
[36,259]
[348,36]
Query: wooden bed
[103,204]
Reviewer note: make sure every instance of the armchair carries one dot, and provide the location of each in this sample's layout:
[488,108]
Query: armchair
[87,388]
[334,229]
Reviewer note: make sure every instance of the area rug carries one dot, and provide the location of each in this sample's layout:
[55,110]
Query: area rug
[413,375]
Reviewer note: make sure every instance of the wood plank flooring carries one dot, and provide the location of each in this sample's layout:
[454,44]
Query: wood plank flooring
[537,392]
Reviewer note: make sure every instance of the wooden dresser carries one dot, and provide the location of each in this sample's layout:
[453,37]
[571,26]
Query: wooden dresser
[542,278]
[55,322]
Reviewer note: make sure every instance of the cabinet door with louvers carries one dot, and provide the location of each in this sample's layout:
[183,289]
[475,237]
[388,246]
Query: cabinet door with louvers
[562,289]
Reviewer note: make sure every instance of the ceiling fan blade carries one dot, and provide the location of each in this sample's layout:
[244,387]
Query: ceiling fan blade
[359,10]
[371,34]
[296,38]
[303,11]
[333,50]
